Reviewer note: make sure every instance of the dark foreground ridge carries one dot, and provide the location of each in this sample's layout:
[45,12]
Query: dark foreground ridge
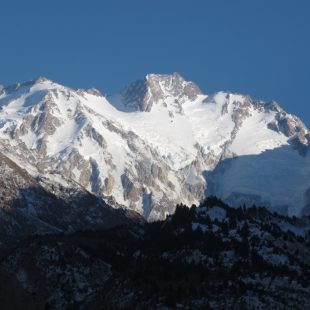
[207,257]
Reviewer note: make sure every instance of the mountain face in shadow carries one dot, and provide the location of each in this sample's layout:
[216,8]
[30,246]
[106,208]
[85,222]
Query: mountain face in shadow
[254,179]
[50,214]
[207,257]
[27,208]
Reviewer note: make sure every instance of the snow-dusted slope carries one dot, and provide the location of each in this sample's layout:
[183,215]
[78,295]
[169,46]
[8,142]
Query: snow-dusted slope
[158,142]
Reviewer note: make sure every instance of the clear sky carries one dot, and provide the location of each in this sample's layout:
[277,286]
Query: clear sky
[256,47]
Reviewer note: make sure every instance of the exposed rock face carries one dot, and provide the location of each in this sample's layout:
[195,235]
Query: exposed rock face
[109,184]
[44,205]
[288,124]
[172,145]
[155,89]
[91,133]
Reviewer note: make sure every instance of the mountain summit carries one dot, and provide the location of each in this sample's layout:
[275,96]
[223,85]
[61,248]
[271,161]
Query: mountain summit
[158,142]
[158,89]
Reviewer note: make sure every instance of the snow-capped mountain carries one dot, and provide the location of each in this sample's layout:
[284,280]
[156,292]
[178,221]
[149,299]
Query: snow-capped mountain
[158,142]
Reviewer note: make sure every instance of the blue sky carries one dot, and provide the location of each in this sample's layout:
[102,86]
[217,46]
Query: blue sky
[260,48]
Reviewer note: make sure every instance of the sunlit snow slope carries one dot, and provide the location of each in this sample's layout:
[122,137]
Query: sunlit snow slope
[158,142]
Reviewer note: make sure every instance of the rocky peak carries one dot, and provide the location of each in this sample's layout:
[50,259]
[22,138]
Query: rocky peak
[94,91]
[158,88]
[41,79]
[290,125]
[23,86]
[273,106]
[174,85]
